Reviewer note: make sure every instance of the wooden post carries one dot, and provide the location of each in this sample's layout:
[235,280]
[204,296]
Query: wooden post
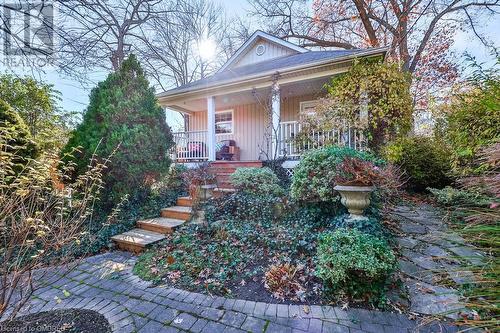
[211,128]
[276,116]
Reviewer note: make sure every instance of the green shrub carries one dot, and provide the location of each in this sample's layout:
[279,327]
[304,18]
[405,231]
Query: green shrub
[472,119]
[371,225]
[424,160]
[354,263]
[450,196]
[315,177]
[258,181]
[376,87]
[125,120]
[244,206]
[17,137]
[36,103]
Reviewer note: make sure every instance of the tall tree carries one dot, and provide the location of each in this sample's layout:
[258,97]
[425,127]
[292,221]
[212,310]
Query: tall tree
[37,104]
[188,44]
[102,33]
[124,120]
[419,33]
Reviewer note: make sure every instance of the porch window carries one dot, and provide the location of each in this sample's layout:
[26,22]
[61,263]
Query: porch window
[224,122]
[308,108]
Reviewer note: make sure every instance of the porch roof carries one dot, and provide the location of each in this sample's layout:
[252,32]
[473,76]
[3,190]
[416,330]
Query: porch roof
[282,64]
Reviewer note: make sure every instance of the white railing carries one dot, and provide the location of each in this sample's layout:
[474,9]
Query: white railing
[292,145]
[190,146]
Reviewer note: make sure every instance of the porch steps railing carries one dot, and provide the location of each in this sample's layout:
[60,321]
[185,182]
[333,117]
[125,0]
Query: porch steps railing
[292,145]
[190,146]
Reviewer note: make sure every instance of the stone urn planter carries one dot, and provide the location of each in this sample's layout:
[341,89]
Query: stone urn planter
[201,193]
[355,198]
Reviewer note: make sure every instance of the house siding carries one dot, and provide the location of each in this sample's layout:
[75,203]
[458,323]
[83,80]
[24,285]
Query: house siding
[272,51]
[249,124]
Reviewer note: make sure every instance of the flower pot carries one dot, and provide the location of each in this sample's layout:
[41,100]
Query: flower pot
[355,198]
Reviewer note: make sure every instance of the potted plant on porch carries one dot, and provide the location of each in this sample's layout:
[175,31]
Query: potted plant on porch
[201,182]
[355,183]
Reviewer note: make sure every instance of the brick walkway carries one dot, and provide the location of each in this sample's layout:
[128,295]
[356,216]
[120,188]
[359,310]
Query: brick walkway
[105,284]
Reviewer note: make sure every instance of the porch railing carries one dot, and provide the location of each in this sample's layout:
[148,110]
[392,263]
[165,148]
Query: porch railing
[190,146]
[292,145]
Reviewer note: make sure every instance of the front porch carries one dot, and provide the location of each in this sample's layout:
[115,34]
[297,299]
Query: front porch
[193,146]
[254,124]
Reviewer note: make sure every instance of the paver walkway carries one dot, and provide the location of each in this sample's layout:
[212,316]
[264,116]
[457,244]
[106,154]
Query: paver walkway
[105,284]
[435,261]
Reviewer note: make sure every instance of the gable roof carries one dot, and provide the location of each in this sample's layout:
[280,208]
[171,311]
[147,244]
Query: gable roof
[253,39]
[282,64]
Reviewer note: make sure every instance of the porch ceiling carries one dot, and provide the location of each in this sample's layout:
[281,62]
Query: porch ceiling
[230,100]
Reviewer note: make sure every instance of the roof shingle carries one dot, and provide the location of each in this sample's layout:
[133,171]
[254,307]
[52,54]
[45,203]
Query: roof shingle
[266,66]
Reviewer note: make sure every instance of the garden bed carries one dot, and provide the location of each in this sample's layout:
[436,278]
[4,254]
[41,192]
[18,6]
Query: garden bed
[231,257]
[267,243]
[71,321]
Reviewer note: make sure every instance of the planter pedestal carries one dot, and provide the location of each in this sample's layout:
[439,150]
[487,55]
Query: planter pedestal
[355,198]
[206,192]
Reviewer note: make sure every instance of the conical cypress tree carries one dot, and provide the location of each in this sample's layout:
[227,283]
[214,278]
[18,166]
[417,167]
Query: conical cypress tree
[124,115]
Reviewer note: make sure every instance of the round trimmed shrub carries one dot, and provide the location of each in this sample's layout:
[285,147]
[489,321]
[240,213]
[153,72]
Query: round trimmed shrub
[425,160]
[258,181]
[315,177]
[354,263]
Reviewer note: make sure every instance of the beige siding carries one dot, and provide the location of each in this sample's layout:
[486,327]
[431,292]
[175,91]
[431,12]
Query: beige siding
[249,123]
[272,51]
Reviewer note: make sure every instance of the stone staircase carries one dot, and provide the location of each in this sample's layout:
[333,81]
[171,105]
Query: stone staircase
[153,230]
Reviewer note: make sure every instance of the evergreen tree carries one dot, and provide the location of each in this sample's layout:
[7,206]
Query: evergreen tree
[15,137]
[124,120]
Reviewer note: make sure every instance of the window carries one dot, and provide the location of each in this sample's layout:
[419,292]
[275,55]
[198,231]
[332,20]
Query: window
[224,122]
[308,108]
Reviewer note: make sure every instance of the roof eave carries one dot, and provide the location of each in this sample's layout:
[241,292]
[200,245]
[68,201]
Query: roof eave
[175,94]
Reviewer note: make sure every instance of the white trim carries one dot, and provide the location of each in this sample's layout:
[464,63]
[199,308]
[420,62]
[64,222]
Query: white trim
[232,122]
[260,34]
[211,127]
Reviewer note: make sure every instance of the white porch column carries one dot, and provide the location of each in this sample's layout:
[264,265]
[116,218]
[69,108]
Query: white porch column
[211,128]
[276,116]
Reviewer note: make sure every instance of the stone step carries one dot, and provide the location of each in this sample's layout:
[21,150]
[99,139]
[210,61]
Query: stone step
[185,201]
[136,240]
[177,212]
[161,225]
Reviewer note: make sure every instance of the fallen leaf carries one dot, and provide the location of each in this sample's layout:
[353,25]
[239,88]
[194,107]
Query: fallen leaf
[306,308]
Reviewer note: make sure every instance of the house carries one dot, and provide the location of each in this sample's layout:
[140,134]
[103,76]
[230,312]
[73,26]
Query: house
[252,106]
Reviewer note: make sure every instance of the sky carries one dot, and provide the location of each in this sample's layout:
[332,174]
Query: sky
[75,98]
